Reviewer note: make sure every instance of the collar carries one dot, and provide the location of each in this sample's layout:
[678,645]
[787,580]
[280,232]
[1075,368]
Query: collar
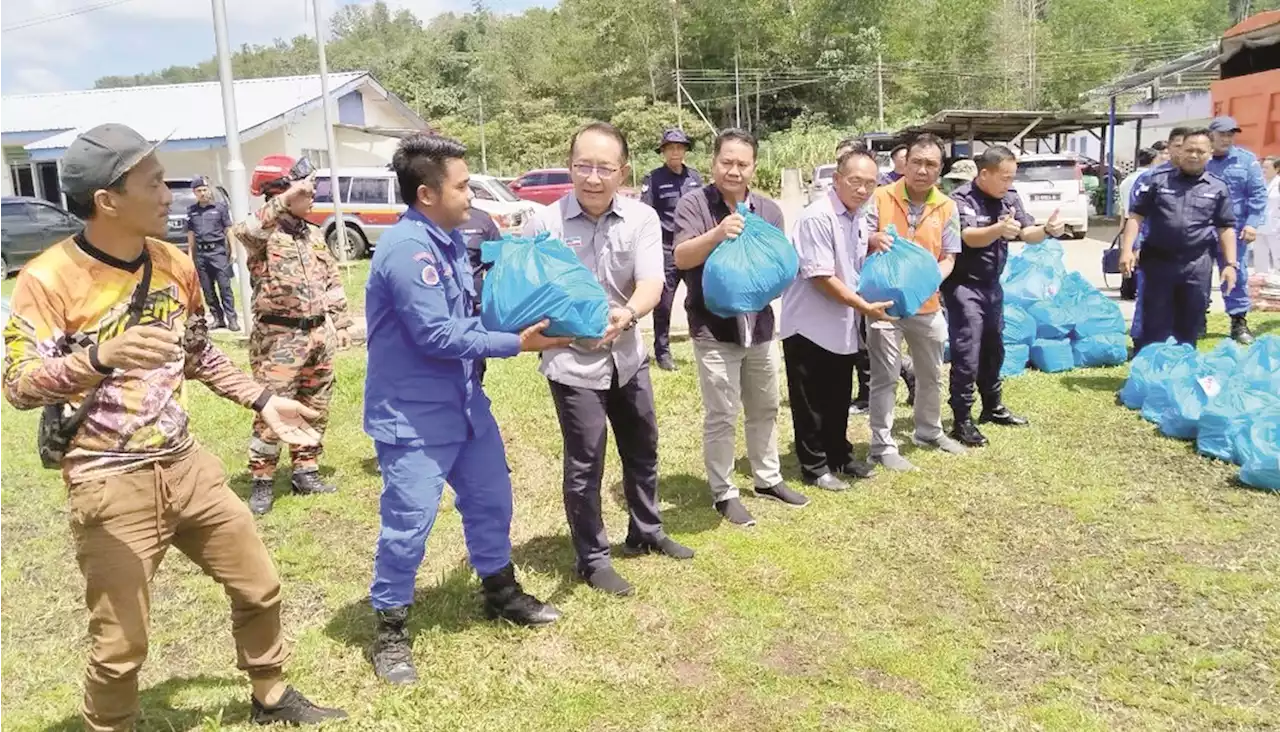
[442,237]
[837,206]
[573,209]
[714,197]
[83,242]
[899,188]
[211,204]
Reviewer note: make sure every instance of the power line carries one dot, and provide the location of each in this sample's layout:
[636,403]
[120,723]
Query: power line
[63,15]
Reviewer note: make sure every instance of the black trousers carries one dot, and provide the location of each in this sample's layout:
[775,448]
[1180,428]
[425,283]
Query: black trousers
[214,269]
[819,384]
[585,415]
[662,313]
[975,325]
[1175,296]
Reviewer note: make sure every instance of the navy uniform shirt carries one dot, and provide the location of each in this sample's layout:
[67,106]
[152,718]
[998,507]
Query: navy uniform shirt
[663,189]
[209,223]
[478,230]
[1183,213]
[981,266]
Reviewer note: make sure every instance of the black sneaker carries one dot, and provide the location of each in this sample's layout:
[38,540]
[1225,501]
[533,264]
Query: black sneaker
[607,580]
[734,512]
[855,468]
[1240,332]
[665,545]
[233,325]
[309,483]
[667,363]
[782,493]
[263,496]
[293,709]
[966,433]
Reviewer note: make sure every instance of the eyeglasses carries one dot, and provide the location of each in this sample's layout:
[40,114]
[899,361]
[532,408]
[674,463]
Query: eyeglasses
[858,184]
[586,170]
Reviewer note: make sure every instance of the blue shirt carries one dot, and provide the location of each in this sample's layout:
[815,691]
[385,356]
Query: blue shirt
[662,190]
[209,223]
[981,266]
[421,384]
[1242,173]
[1183,213]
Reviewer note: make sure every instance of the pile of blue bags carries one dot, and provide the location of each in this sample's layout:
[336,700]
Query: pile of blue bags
[1227,400]
[541,279]
[906,275]
[1072,324]
[746,273]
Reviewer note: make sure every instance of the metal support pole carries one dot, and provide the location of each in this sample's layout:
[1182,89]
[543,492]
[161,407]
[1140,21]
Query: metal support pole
[1110,157]
[1137,144]
[328,136]
[675,26]
[239,182]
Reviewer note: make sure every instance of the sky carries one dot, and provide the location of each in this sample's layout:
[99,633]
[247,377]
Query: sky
[137,36]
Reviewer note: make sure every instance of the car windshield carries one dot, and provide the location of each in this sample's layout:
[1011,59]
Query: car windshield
[557,178]
[182,199]
[499,189]
[1046,171]
[825,173]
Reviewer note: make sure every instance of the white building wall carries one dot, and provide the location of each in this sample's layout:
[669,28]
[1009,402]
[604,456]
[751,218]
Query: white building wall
[1193,109]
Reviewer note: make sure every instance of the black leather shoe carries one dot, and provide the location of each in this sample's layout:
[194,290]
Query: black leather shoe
[263,496]
[966,433]
[392,654]
[307,483]
[1240,332]
[504,598]
[293,709]
[667,363]
[607,580]
[664,545]
[857,469]
[1003,417]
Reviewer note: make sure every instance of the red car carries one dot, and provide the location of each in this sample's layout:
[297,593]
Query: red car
[549,185]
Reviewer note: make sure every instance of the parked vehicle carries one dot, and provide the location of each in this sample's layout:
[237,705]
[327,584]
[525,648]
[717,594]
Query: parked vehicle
[507,210]
[543,186]
[1052,181]
[823,179]
[183,197]
[28,226]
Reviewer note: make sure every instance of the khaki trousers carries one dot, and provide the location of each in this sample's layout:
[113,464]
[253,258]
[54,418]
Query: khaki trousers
[122,526]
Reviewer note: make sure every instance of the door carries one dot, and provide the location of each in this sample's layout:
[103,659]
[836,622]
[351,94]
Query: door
[50,190]
[52,225]
[17,229]
[24,184]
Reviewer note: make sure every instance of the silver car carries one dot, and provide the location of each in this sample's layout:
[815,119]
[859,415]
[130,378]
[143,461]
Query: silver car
[823,178]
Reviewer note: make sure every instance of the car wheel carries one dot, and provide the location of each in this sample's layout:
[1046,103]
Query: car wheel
[4,266]
[1078,234]
[357,245]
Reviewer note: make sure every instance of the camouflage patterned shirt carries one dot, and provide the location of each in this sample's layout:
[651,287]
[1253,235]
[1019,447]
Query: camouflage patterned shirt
[290,268]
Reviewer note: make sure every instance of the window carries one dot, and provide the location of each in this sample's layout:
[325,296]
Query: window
[1046,171]
[501,192]
[324,189]
[319,158]
[533,179]
[369,191]
[14,213]
[47,216]
[481,192]
[557,178]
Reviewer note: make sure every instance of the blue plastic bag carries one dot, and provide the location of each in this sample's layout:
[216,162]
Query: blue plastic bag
[1191,385]
[1259,450]
[746,273]
[1019,326]
[1225,418]
[1053,322]
[1149,366]
[1159,396]
[1097,314]
[907,275]
[1103,349]
[541,278]
[1030,284]
[1052,356]
[1016,356]
[1261,362]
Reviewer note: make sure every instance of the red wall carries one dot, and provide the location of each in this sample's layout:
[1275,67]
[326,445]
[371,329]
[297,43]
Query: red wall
[1254,102]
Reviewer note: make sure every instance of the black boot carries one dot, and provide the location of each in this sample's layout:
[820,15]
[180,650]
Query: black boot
[293,709]
[263,496]
[1240,332]
[305,484]
[392,653]
[966,433]
[1000,414]
[504,598]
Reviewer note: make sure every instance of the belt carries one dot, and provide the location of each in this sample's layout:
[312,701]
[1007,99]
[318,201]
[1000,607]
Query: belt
[314,321]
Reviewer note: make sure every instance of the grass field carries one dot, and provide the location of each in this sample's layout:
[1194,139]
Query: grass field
[1082,574]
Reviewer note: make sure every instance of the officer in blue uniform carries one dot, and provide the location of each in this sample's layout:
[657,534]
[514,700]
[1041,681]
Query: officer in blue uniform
[1173,148]
[1189,220]
[991,215]
[662,189]
[424,407]
[207,224]
[1242,173]
[478,230]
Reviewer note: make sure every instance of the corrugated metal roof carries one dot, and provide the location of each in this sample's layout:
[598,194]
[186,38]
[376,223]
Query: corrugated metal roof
[189,111]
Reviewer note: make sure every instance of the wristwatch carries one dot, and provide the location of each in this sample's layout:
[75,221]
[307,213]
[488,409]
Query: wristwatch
[1233,265]
[634,317]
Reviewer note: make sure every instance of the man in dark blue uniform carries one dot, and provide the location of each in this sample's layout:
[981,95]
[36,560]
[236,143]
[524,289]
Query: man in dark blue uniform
[424,406]
[1189,219]
[207,224]
[662,189]
[478,230]
[991,215]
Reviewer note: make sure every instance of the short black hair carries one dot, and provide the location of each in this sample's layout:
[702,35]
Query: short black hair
[1146,156]
[851,143]
[900,147]
[1196,132]
[733,134]
[854,151]
[84,208]
[1177,132]
[1160,145]
[420,160]
[927,139]
[993,157]
[603,128]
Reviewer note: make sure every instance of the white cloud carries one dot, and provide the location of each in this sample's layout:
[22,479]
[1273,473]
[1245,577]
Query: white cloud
[36,80]
[32,47]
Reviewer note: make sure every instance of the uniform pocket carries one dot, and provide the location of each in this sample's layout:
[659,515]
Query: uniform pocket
[85,501]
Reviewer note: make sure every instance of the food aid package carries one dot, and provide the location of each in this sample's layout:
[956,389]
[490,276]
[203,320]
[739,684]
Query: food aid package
[1103,349]
[907,275]
[1052,356]
[1149,367]
[541,278]
[746,273]
[1019,326]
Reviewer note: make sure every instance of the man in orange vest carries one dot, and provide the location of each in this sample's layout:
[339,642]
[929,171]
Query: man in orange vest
[922,213]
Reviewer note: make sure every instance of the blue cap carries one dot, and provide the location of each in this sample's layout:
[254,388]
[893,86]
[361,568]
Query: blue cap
[675,135]
[198,181]
[1224,124]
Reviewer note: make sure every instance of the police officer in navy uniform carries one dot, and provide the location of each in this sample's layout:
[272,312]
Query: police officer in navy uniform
[207,224]
[424,406]
[991,215]
[662,189]
[1190,219]
[478,230]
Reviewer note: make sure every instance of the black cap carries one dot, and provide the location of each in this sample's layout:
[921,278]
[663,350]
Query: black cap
[674,135]
[102,156]
[199,181]
[1224,124]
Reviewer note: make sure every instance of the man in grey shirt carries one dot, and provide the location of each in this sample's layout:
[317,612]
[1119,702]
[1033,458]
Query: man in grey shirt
[620,241]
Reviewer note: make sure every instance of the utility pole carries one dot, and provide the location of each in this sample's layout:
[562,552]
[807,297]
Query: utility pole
[334,178]
[737,91]
[235,163]
[484,154]
[756,126]
[880,89]
[675,27]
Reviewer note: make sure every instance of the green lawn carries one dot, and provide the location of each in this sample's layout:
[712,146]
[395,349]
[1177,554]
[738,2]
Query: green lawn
[1082,574]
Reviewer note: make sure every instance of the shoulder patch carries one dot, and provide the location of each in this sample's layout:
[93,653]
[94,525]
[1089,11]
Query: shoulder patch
[430,277]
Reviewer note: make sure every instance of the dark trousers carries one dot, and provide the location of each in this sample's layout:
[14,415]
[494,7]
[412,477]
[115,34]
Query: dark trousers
[1175,295]
[975,325]
[214,269]
[585,415]
[662,313]
[819,384]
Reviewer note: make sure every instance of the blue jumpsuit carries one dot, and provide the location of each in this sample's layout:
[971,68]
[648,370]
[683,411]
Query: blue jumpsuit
[1183,215]
[425,409]
[1242,173]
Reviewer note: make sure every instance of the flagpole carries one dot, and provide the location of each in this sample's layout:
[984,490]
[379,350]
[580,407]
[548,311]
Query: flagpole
[328,135]
[236,176]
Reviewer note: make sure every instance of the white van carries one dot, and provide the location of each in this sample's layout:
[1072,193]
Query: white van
[1048,182]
